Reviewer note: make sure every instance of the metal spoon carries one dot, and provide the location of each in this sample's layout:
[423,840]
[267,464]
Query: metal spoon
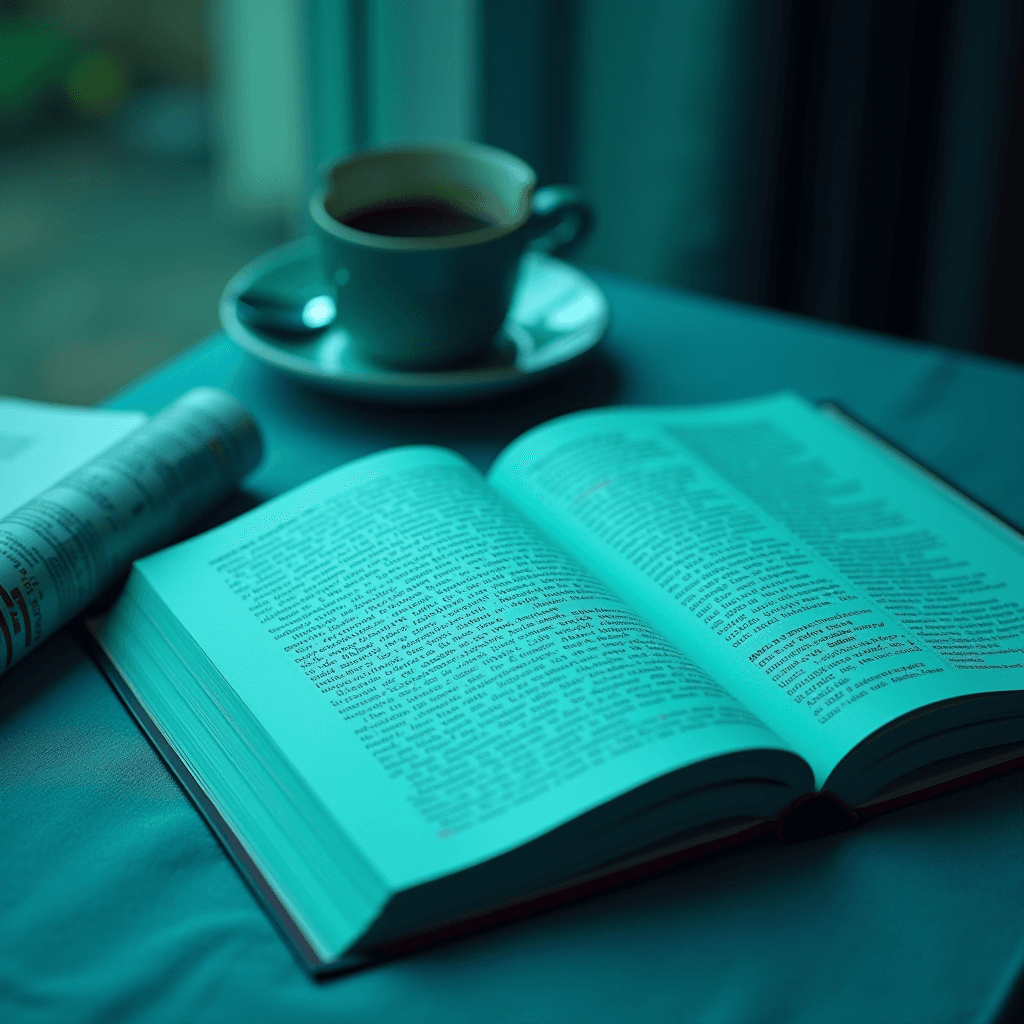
[271,311]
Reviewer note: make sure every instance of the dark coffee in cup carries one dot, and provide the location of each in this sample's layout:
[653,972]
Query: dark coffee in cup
[418,218]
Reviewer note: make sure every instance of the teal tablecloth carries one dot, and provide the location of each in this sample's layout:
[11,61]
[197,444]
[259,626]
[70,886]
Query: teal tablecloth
[118,905]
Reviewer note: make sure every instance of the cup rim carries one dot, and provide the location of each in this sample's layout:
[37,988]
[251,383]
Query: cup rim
[325,222]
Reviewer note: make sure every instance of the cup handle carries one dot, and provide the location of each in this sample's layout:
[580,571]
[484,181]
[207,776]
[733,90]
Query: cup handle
[562,217]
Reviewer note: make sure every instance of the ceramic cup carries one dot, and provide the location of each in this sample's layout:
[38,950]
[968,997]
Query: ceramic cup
[436,295]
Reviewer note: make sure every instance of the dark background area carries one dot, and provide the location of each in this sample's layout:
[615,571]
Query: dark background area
[858,161]
[877,177]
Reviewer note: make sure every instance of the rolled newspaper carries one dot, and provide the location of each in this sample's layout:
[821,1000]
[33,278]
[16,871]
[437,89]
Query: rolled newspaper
[62,549]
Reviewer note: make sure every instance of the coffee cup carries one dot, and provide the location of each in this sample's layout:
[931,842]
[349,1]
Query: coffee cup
[421,245]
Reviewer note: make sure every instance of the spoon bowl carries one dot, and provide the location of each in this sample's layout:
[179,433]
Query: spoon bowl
[297,314]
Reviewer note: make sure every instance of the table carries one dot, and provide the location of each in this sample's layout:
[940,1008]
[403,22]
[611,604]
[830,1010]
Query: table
[118,904]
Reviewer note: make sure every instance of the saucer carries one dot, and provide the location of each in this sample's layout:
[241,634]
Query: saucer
[558,314]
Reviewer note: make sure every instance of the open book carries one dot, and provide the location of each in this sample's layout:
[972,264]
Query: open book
[409,696]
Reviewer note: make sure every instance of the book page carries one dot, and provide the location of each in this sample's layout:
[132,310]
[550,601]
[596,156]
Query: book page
[825,582]
[64,547]
[41,443]
[448,682]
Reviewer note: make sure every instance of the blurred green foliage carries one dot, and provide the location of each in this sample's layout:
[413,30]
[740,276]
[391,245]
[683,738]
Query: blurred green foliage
[43,67]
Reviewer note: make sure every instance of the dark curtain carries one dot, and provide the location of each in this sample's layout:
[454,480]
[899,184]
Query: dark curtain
[876,146]
[895,154]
